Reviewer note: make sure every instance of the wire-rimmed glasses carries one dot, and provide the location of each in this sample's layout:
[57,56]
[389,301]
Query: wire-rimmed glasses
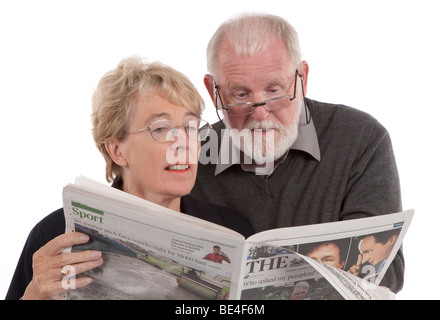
[166,130]
[240,109]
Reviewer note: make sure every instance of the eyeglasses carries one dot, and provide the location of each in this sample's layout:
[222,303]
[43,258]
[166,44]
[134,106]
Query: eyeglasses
[239,109]
[166,130]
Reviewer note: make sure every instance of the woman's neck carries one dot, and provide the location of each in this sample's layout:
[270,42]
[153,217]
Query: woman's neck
[169,202]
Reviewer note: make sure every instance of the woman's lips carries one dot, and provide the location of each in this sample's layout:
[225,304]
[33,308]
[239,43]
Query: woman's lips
[178,167]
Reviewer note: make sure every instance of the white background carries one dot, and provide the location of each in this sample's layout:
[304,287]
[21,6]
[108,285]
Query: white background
[378,56]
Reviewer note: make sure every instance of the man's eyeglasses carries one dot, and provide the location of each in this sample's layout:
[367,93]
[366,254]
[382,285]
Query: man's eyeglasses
[240,109]
[166,130]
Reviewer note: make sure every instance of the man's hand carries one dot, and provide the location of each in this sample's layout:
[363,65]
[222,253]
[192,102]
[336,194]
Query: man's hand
[356,269]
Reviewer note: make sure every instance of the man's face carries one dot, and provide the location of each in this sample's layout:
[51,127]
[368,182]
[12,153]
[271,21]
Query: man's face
[299,293]
[328,254]
[375,252]
[266,74]
[216,251]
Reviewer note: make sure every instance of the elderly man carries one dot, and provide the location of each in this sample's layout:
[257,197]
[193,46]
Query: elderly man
[289,160]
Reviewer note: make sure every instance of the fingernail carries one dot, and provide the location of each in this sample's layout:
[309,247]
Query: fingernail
[96,254]
[83,237]
[97,262]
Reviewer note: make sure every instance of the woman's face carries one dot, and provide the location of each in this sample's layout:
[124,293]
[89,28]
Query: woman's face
[160,172]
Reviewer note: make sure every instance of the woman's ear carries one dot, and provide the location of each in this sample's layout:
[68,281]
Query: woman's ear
[114,150]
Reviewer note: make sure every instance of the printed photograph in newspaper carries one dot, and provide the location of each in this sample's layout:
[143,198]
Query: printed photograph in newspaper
[275,273]
[135,270]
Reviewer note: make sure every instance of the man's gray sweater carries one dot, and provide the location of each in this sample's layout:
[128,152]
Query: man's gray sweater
[356,177]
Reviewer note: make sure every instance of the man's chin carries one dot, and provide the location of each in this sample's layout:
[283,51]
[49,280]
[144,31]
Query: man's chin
[267,145]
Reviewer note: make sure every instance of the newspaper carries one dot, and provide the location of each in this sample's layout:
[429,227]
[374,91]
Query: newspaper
[151,252]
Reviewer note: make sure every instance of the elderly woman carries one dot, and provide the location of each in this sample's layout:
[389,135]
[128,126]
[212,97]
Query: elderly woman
[146,123]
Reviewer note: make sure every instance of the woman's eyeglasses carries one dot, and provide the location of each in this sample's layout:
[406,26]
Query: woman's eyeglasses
[166,130]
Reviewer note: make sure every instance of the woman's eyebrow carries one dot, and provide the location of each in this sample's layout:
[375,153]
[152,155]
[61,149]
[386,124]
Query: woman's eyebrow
[165,115]
[191,114]
[156,116]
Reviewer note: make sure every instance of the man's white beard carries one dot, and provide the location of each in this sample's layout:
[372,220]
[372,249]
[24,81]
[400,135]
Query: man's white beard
[265,148]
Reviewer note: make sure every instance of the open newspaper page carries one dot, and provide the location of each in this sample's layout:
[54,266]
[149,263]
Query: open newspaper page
[324,261]
[149,252]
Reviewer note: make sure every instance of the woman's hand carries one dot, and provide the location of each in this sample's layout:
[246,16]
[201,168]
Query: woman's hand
[52,267]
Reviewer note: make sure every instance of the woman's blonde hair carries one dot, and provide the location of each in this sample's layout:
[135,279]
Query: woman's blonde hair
[117,90]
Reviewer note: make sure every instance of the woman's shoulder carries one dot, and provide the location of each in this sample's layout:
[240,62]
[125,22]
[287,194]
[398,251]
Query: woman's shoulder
[50,226]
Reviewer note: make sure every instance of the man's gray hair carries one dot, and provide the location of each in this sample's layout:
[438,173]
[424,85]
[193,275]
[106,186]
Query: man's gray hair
[249,33]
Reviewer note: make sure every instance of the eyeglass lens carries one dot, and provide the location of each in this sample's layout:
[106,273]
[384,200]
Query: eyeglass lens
[247,108]
[166,130]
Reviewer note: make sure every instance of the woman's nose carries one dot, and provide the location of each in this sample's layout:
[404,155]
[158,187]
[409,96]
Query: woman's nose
[180,137]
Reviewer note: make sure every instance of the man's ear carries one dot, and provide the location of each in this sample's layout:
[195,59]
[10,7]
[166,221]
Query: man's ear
[208,80]
[304,72]
[114,150]
[393,239]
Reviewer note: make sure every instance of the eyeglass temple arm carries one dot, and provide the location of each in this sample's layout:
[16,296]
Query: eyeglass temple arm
[141,130]
[306,106]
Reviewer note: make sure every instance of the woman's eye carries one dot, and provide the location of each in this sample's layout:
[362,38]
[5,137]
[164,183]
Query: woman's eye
[160,130]
[193,128]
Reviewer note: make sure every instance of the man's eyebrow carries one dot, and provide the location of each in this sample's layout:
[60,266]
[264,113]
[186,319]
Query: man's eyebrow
[235,86]
[274,82]
[280,83]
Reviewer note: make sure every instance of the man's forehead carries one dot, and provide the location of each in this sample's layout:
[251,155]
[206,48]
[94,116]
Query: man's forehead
[367,242]
[273,57]
[247,77]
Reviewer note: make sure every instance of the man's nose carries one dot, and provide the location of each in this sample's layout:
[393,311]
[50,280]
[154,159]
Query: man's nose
[366,258]
[260,113]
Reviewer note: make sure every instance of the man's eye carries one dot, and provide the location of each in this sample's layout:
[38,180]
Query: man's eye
[274,90]
[241,95]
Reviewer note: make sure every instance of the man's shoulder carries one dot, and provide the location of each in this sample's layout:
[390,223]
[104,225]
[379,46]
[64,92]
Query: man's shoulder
[325,111]
[342,118]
